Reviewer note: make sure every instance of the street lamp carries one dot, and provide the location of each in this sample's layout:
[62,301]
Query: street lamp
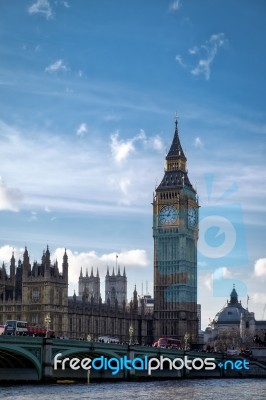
[186,338]
[89,338]
[131,330]
[47,322]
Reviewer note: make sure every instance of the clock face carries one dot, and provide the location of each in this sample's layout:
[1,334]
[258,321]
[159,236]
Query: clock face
[168,215]
[192,217]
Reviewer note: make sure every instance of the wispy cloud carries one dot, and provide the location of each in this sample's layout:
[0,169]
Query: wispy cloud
[205,54]
[157,143]
[57,66]
[210,49]
[46,188]
[9,198]
[175,5]
[198,142]
[42,7]
[121,149]
[179,60]
[82,129]
[65,4]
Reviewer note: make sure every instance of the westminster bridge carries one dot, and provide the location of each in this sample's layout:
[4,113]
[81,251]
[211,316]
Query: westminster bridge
[33,359]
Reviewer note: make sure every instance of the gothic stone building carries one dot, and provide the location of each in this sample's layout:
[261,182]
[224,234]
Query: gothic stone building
[31,292]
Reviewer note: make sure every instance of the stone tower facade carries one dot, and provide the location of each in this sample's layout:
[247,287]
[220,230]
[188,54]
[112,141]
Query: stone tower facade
[89,285]
[175,233]
[116,287]
[32,292]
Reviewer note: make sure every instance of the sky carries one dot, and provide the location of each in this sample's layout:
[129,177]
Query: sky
[89,91]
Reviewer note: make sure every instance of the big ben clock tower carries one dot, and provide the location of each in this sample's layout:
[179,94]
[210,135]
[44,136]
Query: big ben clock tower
[175,232]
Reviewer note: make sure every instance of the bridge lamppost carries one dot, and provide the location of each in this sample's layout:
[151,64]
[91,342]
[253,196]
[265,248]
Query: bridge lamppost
[186,338]
[131,330]
[47,322]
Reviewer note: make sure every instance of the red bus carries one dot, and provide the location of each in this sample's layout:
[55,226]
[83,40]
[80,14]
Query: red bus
[13,327]
[169,343]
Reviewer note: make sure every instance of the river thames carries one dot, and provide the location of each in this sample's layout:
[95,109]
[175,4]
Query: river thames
[213,389]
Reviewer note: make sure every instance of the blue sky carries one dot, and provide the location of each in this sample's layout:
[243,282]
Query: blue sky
[89,91]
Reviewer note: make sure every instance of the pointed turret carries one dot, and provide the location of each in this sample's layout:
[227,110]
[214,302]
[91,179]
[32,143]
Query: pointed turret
[124,273]
[97,273]
[175,176]
[47,262]
[65,266]
[107,272]
[176,151]
[135,300]
[12,267]
[3,274]
[233,296]
[81,274]
[92,272]
[26,263]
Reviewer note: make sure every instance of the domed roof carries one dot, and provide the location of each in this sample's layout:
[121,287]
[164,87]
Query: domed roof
[231,313]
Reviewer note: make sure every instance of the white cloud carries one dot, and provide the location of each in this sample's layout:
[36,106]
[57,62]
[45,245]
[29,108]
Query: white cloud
[198,142]
[193,50]
[57,66]
[219,273]
[121,149]
[42,7]
[124,185]
[175,5]
[210,49]
[208,282]
[65,4]
[9,198]
[46,187]
[157,143]
[136,258]
[260,268]
[82,129]
[6,253]
[179,60]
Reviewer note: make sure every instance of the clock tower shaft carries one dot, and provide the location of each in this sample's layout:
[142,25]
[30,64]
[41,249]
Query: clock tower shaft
[175,233]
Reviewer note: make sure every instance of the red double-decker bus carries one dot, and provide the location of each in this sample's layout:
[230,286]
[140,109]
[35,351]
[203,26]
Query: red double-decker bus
[169,343]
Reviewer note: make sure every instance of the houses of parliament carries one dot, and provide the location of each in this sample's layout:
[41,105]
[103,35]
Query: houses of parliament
[31,291]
